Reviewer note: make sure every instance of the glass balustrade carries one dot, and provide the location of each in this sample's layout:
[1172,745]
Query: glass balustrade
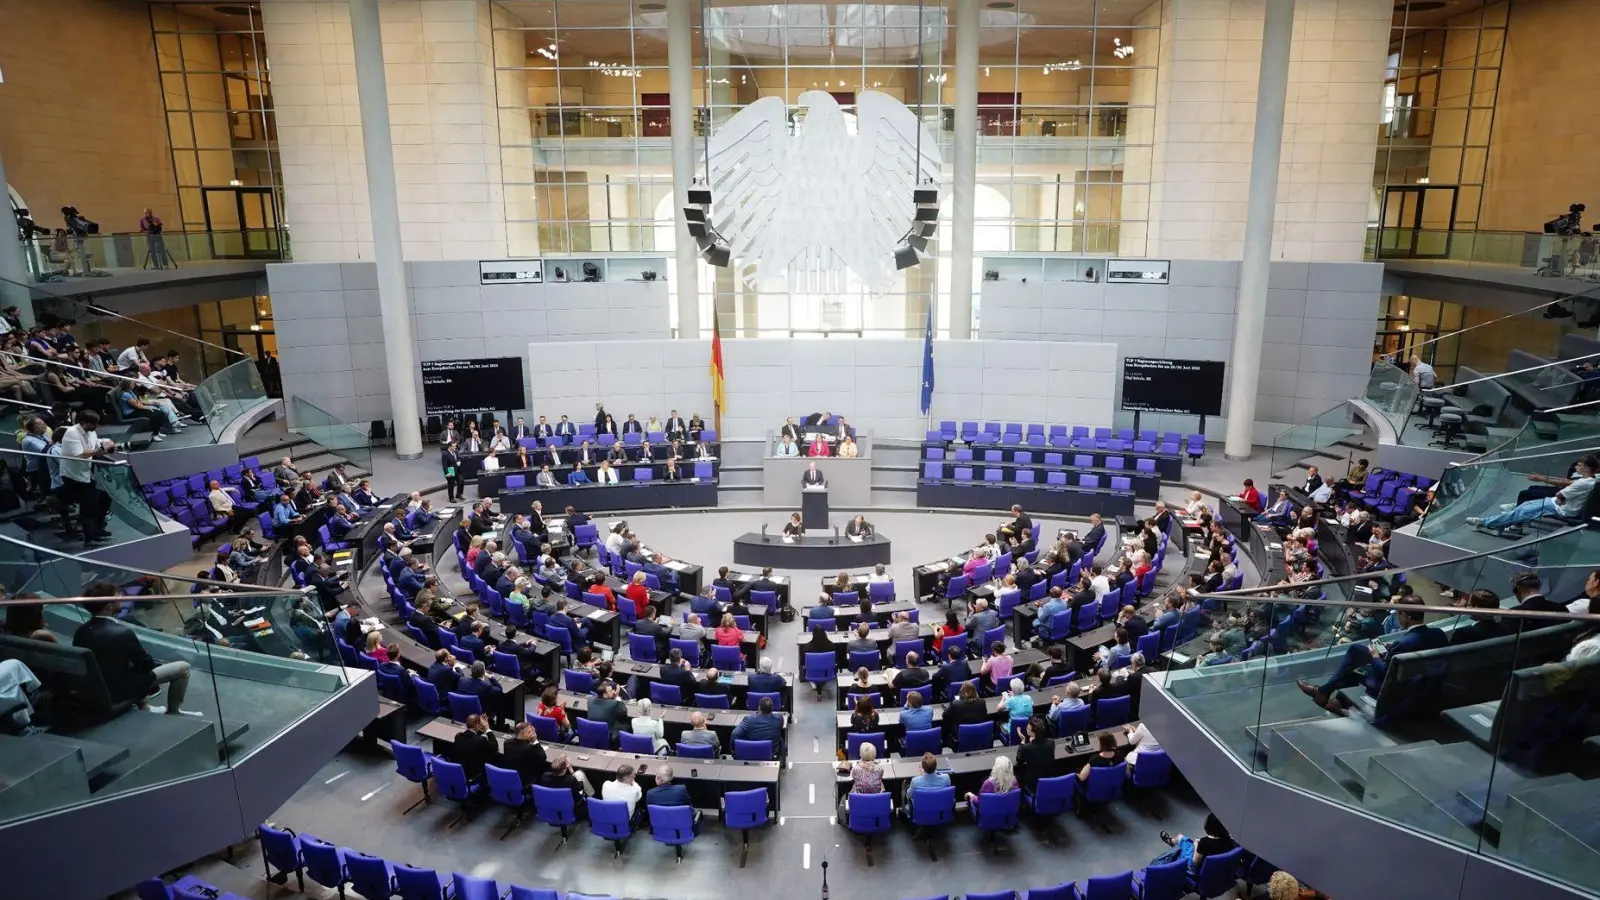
[257,661]
[1576,256]
[36,513]
[1392,393]
[1493,484]
[349,441]
[1316,438]
[229,394]
[57,258]
[1477,728]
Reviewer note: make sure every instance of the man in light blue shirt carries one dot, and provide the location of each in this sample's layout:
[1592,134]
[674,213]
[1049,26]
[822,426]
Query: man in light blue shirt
[786,449]
[285,516]
[1053,606]
[37,440]
[915,716]
[931,779]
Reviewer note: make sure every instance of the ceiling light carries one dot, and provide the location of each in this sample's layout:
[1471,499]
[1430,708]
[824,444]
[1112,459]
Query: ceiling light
[652,7]
[1002,4]
[614,70]
[1122,51]
[1071,65]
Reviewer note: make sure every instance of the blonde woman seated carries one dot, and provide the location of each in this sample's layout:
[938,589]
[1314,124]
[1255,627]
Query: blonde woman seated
[1000,781]
[848,449]
[865,777]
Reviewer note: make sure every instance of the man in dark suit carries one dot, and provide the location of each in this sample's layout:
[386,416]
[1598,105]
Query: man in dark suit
[679,675]
[566,429]
[677,428]
[764,583]
[913,675]
[605,707]
[763,725]
[126,667]
[666,793]
[712,685]
[526,652]
[474,748]
[427,625]
[790,430]
[476,641]
[442,674]
[1027,576]
[1163,518]
[1482,627]
[661,630]
[812,477]
[575,518]
[1313,480]
[764,680]
[1020,528]
[541,430]
[632,425]
[411,579]
[1530,596]
[524,755]
[1374,659]
[560,619]
[954,671]
[479,683]
[1096,532]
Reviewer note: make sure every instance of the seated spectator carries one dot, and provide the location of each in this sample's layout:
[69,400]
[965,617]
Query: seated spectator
[1105,755]
[728,633]
[1216,840]
[1280,513]
[1483,627]
[668,793]
[550,707]
[864,720]
[698,733]
[763,725]
[764,680]
[1000,781]
[915,716]
[562,775]
[1371,659]
[930,779]
[865,776]
[1017,703]
[474,747]
[129,672]
[1140,740]
[625,788]
[524,755]
[1567,503]
[650,726]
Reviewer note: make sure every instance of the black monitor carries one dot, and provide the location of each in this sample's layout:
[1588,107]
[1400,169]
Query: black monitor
[1190,387]
[452,386]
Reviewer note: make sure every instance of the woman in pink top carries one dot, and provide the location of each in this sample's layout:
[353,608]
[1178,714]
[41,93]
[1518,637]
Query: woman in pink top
[997,668]
[819,447]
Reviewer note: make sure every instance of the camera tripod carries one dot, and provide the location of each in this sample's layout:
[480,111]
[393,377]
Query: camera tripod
[156,253]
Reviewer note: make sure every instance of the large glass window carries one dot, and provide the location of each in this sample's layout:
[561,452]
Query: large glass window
[220,122]
[1066,113]
[1433,141]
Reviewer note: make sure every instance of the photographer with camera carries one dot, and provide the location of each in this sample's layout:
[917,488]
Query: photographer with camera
[79,228]
[155,245]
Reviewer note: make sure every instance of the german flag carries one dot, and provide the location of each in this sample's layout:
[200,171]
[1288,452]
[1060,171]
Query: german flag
[717,396]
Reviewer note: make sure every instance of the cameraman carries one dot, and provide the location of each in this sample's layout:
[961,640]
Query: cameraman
[79,229]
[155,245]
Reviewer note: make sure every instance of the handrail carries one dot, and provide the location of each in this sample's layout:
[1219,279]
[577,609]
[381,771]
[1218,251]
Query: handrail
[1385,573]
[115,463]
[239,587]
[53,362]
[6,400]
[1531,309]
[1497,612]
[1572,407]
[74,601]
[1479,461]
[142,324]
[1451,387]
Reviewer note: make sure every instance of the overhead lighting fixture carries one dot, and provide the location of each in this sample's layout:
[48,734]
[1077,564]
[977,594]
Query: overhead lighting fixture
[1071,65]
[551,52]
[652,7]
[614,70]
[1121,50]
[937,78]
[234,182]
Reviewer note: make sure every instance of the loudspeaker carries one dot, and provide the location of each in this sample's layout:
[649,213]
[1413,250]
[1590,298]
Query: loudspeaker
[697,230]
[717,255]
[700,196]
[694,214]
[905,257]
[926,196]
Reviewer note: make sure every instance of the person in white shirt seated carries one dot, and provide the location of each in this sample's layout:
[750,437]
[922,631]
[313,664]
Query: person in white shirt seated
[605,474]
[1197,503]
[786,449]
[879,573]
[649,725]
[617,538]
[130,359]
[545,478]
[988,548]
[1323,493]
[500,443]
[1140,740]
[624,788]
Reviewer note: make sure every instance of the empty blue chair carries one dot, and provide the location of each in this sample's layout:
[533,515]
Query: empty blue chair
[926,690]
[767,599]
[695,751]
[933,810]
[642,647]
[1053,796]
[920,741]
[1144,464]
[1115,462]
[974,736]
[673,826]
[880,591]
[506,788]
[711,701]
[468,887]
[608,819]
[1168,881]
[577,680]
[451,780]
[689,648]
[411,883]
[1108,887]
[728,659]
[413,765]
[628,742]
[745,810]
[865,659]
[1074,721]
[324,861]
[1119,483]
[554,806]
[661,692]
[1056,478]
[1110,711]
[1066,890]
[1026,476]
[933,471]
[868,815]
[370,876]
[514,482]
[592,734]
[998,812]
[963,473]
[1152,769]
[280,849]
[463,705]
[853,742]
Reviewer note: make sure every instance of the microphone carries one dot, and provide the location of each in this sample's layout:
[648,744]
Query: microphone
[835,534]
[764,538]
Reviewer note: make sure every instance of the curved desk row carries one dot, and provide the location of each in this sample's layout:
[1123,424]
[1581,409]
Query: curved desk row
[1062,501]
[755,549]
[628,495]
[472,463]
[492,483]
[1146,485]
[1169,465]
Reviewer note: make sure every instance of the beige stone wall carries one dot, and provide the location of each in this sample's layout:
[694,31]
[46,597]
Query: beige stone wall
[81,119]
[1546,129]
[1209,68]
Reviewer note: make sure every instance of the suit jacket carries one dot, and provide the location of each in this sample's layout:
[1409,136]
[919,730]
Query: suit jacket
[1094,535]
[600,420]
[677,426]
[765,683]
[124,663]
[566,429]
[426,624]
[541,431]
[793,431]
[1312,483]
[1164,523]
[950,673]
[758,727]
[981,622]
[610,711]
[813,476]
[680,678]
[1415,638]
[443,677]
[526,759]
[760,584]
[672,794]
[632,426]
[472,751]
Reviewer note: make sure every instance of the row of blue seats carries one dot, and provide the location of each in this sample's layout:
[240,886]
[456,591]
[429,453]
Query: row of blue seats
[934,471]
[586,432]
[1013,433]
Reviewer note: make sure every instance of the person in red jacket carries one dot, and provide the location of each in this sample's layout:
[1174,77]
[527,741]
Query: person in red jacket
[819,447]
[1250,496]
[599,591]
[638,593]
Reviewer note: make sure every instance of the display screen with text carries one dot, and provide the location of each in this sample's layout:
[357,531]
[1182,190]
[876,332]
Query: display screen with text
[472,385]
[1186,386]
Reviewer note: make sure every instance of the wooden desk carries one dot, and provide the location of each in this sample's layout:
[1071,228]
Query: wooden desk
[845,616]
[925,578]
[677,719]
[968,770]
[841,639]
[623,668]
[1022,660]
[707,779]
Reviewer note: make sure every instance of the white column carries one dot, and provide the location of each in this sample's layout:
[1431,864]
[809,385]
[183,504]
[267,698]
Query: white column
[1250,316]
[14,289]
[965,175]
[680,81]
[372,95]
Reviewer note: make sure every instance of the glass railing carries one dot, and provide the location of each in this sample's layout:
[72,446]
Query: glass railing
[1546,254]
[229,394]
[1474,729]
[1392,392]
[234,667]
[1492,485]
[55,258]
[339,438]
[47,517]
[1320,433]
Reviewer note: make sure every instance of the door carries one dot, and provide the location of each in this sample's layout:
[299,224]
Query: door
[1416,221]
[243,223]
[656,115]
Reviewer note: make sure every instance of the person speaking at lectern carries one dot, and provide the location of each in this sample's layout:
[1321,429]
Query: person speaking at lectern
[812,478]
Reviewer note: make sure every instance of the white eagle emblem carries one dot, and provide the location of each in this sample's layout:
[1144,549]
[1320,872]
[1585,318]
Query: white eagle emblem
[820,202]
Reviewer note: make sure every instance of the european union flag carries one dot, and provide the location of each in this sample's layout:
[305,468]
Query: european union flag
[927,363]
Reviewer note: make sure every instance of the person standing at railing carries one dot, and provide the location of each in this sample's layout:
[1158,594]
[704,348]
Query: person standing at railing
[36,439]
[79,445]
[1422,373]
[155,245]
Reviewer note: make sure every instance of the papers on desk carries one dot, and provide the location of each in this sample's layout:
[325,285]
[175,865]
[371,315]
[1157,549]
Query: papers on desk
[676,566]
[856,538]
[491,535]
[255,624]
[595,614]
[446,512]
[787,539]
